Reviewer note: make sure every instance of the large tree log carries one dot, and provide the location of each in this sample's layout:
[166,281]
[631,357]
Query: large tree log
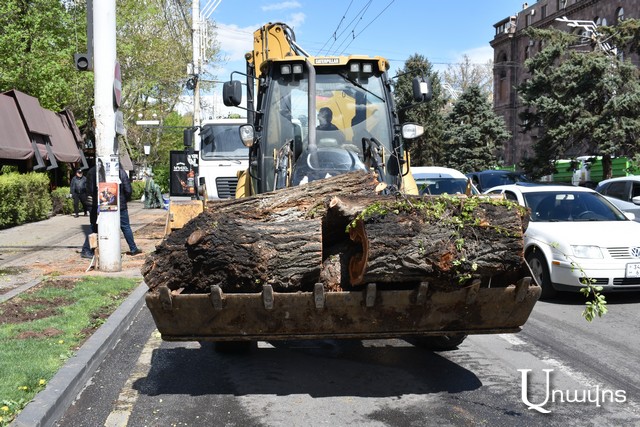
[176,264]
[296,237]
[443,240]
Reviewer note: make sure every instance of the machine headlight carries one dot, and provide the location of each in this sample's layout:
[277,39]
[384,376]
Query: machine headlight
[582,251]
[285,69]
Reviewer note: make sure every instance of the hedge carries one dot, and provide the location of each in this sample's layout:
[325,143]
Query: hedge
[24,198]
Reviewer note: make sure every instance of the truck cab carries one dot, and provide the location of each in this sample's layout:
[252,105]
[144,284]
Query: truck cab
[222,155]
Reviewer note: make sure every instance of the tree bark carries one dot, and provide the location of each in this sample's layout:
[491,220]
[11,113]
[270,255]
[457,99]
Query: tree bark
[297,237]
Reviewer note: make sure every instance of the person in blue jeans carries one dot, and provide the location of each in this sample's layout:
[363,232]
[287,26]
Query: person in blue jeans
[125,225]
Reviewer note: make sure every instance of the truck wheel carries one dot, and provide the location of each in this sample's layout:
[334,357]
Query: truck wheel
[538,265]
[439,342]
[233,347]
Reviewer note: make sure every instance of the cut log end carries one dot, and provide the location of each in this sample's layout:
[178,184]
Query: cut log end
[358,262]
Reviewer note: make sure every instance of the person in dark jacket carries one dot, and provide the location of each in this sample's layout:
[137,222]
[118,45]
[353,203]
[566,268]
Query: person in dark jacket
[92,188]
[78,190]
[125,226]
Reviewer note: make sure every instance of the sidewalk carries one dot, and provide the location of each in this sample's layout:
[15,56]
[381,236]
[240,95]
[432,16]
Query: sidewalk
[30,251]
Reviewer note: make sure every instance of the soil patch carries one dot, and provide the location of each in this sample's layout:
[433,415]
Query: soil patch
[47,333]
[20,310]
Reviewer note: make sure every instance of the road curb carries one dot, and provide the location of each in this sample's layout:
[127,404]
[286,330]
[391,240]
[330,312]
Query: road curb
[51,403]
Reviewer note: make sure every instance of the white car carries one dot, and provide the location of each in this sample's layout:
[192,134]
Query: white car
[435,180]
[624,192]
[576,236]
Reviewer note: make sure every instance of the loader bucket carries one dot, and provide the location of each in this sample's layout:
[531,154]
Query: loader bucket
[368,314]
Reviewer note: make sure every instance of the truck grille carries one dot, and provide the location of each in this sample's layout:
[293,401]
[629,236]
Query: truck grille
[226,187]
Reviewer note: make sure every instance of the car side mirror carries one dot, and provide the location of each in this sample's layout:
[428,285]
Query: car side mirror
[635,200]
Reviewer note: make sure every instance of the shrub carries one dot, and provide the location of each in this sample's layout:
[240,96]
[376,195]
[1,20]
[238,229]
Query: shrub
[23,198]
[161,177]
[138,189]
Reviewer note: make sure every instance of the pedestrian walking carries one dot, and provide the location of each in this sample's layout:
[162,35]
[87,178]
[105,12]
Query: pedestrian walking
[125,226]
[78,190]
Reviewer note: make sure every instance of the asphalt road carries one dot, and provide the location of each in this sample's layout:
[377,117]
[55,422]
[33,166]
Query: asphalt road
[148,382]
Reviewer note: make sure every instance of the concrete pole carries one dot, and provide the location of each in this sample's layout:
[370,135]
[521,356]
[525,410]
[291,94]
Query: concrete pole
[195,34]
[104,51]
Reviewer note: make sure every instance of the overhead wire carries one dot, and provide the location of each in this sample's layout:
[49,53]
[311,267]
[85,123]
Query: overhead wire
[356,19]
[333,35]
[371,22]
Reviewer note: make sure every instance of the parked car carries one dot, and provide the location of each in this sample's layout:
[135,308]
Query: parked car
[624,192]
[576,236]
[435,180]
[484,180]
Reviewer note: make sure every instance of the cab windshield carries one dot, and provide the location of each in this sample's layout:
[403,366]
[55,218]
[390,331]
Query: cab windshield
[222,141]
[347,110]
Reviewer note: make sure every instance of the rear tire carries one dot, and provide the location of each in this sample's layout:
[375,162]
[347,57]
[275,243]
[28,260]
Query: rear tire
[439,342]
[538,265]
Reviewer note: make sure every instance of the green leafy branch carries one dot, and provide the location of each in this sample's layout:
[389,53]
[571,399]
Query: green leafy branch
[597,306]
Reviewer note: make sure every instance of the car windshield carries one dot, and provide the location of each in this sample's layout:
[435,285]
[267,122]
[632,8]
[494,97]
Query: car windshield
[563,206]
[435,186]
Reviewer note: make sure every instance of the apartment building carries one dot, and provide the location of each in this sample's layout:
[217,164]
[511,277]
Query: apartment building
[511,47]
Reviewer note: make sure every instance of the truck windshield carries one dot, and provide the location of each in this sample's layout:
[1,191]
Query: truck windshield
[348,110]
[222,141]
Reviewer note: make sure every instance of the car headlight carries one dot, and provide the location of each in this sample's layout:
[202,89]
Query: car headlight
[581,251]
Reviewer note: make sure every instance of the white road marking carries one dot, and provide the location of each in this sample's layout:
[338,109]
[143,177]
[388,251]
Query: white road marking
[128,397]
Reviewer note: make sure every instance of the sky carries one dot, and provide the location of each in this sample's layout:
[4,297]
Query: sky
[440,30]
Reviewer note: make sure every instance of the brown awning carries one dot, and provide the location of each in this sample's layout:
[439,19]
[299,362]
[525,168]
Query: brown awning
[31,111]
[63,143]
[14,140]
[71,121]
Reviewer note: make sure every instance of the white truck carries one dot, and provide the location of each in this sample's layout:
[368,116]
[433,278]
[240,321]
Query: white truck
[222,154]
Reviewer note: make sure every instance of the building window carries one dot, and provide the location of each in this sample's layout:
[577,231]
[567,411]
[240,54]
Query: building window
[562,4]
[543,11]
[528,20]
[619,15]
[501,81]
[527,52]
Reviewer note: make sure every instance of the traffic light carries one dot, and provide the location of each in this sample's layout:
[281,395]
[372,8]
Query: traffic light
[82,61]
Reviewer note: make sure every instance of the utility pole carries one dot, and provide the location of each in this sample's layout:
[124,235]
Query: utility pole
[195,35]
[105,70]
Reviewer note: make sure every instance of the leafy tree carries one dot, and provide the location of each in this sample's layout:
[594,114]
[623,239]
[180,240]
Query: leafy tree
[463,75]
[582,103]
[426,150]
[37,41]
[39,37]
[473,132]
[154,48]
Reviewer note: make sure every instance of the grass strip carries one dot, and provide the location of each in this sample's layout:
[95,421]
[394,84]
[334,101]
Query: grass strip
[43,327]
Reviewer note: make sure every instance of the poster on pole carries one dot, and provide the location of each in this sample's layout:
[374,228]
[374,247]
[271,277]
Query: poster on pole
[108,196]
[108,183]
